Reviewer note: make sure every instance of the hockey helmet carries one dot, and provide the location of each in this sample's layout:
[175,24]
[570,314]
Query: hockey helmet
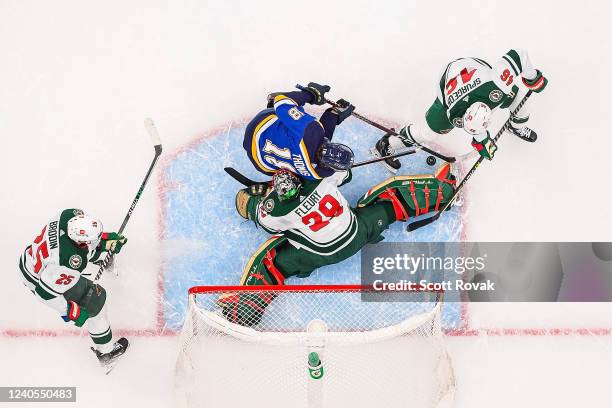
[335,155]
[84,230]
[286,184]
[477,118]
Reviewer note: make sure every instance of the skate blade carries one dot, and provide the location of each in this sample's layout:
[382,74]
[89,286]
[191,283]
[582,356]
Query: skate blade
[111,365]
[108,367]
[390,169]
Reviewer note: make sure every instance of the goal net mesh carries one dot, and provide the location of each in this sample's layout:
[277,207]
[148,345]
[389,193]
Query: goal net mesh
[380,352]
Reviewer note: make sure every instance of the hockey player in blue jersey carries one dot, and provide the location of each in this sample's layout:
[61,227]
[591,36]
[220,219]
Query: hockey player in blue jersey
[284,136]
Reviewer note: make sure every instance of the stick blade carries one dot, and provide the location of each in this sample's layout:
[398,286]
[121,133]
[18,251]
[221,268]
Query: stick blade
[152,130]
[421,223]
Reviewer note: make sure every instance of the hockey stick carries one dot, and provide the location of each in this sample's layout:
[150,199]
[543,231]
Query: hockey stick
[421,223]
[152,130]
[417,146]
[241,178]
[245,181]
[379,159]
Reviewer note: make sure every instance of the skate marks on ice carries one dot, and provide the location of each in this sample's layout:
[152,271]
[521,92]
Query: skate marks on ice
[204,240]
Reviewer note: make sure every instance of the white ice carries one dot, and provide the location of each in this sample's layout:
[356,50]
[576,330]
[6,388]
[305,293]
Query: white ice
[78,77]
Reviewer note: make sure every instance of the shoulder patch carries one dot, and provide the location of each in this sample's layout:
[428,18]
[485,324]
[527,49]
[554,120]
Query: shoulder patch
[268,205]
[496,95]
[75,261]
[77,212]
[458,122]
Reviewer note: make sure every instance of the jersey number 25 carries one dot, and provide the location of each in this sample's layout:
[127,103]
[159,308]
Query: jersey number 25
[42,252]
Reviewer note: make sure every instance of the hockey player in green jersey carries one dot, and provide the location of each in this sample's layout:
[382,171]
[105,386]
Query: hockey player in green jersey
[313,225]
[51,268]
[468,91]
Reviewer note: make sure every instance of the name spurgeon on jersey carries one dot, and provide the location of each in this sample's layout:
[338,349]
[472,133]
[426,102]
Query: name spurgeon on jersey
[459,93]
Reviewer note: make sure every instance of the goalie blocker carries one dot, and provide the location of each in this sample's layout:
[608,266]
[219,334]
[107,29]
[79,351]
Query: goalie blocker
[294,250]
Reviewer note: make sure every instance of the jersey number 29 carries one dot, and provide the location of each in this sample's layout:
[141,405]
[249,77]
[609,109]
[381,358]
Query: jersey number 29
[329,207]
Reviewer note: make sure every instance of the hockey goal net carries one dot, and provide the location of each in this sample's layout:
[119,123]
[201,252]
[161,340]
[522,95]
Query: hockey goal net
[315,346]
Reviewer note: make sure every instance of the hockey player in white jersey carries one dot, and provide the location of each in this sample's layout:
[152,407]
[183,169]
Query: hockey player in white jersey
[51,268]
[313,225]
[468,91]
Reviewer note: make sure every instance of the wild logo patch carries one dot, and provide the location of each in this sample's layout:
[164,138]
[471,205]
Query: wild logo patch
[496,95]
[268,205]
[77,212]
[75,261]
[458,122]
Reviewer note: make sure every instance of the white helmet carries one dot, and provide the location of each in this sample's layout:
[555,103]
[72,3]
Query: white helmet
[477,118]
[84,230]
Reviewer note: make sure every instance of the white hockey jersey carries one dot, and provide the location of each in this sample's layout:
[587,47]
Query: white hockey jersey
[320,220]
[53,263]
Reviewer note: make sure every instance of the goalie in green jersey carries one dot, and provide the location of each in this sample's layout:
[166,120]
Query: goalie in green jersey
[313,225]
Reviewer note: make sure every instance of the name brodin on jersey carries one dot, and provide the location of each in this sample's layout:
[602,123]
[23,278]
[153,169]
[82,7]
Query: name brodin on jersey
[53,234]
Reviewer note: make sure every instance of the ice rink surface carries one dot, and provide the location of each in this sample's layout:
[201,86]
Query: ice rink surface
[78,78]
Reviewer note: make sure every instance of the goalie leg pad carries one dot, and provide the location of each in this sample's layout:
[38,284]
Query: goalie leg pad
[247,309]
[261,270]
[413,195]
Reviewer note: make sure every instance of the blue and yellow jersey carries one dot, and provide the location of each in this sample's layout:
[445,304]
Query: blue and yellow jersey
[286,137]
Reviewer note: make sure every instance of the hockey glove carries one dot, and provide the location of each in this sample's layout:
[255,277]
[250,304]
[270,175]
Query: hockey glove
[112,242]
[536,84]
[344,109]
[318,92]
[246,203]
[486,148]
[271,97]
[75,313]
[259,189]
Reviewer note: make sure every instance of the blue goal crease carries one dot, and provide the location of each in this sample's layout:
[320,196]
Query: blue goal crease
[207,243]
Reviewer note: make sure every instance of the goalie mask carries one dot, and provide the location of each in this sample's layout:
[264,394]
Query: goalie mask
[477,118]
[335,155]
[84,230]
[286,184]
